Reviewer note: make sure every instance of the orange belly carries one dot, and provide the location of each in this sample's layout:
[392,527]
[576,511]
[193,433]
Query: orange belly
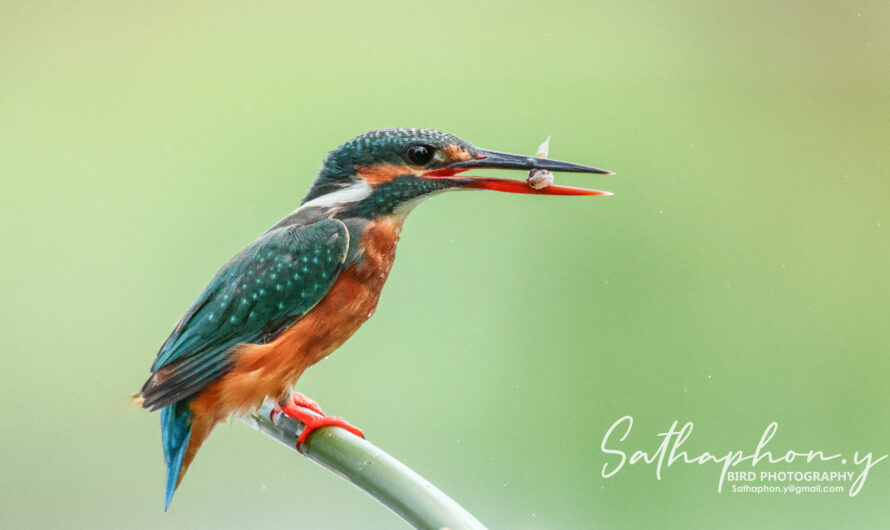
[271,369]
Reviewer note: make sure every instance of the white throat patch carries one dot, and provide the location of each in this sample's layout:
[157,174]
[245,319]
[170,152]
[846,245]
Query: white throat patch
[355,192]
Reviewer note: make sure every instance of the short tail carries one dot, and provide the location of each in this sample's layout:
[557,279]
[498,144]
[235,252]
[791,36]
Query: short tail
[176,431]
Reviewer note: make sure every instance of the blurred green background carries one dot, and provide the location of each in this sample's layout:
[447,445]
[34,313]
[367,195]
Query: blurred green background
[738,276]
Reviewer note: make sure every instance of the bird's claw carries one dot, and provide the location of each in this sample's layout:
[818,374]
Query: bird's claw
[316,422]
[308,412]
[302,400]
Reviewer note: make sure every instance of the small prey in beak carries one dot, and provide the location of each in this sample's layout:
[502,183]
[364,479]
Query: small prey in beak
[541,178]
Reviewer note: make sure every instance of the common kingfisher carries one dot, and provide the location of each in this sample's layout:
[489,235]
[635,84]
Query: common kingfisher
[302,288]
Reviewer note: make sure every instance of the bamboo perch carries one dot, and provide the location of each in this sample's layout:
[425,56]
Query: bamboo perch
[383,477]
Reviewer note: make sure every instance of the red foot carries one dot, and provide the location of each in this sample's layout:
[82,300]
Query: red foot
[302,400]
[297,410]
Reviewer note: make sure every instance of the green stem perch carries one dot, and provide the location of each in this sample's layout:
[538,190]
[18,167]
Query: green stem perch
[383,477]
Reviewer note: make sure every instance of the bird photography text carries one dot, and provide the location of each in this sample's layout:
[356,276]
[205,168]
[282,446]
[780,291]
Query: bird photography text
[669,452]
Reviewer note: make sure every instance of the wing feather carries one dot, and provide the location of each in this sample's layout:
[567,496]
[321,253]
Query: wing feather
[267,286]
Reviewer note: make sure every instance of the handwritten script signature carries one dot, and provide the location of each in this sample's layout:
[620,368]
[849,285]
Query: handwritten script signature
[669,453]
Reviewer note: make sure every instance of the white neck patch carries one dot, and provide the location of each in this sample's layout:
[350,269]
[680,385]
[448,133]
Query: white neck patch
[355,192]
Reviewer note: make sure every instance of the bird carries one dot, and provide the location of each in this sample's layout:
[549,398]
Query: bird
[302,288]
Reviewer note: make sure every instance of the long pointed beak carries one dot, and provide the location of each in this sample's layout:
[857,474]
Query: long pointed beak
[497,160]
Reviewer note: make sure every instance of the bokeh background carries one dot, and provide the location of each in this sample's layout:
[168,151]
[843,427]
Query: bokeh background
[738,276]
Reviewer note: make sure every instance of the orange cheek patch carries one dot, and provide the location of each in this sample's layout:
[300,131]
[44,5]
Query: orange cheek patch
[456,153]
[382,173]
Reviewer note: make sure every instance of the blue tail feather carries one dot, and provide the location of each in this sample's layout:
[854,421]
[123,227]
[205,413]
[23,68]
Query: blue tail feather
[176,420]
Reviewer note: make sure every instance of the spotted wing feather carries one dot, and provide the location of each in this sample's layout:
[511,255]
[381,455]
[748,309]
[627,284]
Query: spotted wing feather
[265,288]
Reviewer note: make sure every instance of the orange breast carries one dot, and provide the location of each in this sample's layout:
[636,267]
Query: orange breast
[269,370]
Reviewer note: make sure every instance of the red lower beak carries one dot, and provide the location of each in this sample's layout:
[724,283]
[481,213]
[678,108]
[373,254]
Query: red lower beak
[519,186]
[505,185]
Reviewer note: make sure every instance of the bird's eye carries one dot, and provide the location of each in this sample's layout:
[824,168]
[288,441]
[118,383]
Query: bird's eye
[420,154]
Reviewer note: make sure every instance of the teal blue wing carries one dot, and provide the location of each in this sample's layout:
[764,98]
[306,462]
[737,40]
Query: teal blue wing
[259,293]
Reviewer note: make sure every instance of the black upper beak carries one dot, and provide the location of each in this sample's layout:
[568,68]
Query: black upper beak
[497,160]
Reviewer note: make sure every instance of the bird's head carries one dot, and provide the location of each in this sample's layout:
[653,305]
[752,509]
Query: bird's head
[389,171]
